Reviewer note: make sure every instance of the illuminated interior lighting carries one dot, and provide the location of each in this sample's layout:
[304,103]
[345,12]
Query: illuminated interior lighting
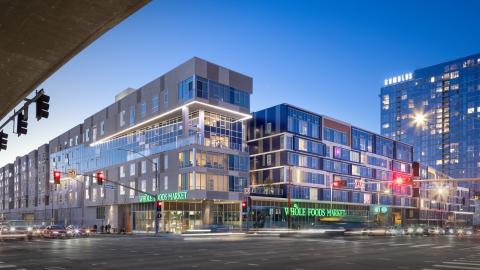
[243,115]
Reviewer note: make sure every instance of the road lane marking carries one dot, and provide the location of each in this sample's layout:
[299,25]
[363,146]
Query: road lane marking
[3,266]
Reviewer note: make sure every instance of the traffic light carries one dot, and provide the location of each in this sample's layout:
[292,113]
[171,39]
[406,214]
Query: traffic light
[56,177]
[22,123]
[100,178]
[3,140]
[339,183]
[42,106]
[159,206]
[399,180]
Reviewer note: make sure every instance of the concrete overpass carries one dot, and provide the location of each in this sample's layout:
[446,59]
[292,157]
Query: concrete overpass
[38,36]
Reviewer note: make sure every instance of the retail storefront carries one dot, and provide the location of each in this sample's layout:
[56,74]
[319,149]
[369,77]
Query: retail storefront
[273,213]
[180,214]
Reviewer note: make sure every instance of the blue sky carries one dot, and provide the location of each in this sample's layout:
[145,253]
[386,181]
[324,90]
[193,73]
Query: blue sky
[330,57]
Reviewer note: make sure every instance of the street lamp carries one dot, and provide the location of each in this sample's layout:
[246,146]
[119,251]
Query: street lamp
[156,184]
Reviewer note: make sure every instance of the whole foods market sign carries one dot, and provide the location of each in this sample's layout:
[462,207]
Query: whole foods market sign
[314,212]
[174,196]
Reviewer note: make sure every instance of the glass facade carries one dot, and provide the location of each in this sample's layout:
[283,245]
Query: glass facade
[208,89]
[437,110]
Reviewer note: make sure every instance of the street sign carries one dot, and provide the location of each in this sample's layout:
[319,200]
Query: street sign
[109,186]
[359,184]
[72,173]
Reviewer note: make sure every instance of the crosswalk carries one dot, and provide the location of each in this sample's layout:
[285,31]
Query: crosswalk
[469,263]
[383,244]
[7,266]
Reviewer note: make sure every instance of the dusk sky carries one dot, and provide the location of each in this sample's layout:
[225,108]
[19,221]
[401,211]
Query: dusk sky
[327,57]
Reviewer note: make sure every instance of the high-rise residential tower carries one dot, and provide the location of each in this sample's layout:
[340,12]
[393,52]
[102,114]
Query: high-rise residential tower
[437,110]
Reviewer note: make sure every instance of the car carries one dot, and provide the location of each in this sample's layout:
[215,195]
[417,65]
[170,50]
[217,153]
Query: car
[467,231]
[395,231]
[38,230]
[450,231]
[77,231]
[55,231]
[410,230]
[435,231]
[17,229]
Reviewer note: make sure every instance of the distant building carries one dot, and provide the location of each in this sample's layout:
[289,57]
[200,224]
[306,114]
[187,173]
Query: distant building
[437,110]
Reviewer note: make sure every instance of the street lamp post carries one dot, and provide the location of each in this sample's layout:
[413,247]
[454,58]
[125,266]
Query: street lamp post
[289,197]
[156,185]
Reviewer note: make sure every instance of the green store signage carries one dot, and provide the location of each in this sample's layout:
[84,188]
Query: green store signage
[174,196]
[314,212]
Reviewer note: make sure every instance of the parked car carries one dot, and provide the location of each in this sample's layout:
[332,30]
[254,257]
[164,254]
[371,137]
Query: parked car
[77,231]
[55,231]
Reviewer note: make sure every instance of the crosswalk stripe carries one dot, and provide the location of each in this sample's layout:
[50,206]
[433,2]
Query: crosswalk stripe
[465,263]
[457,267]
[422,245]
[447,246]
[3,266]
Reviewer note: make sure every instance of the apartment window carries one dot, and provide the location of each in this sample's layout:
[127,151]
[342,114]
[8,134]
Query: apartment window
[143,109]
[155,104]
[87,132]
[122,118]
[71,142]
[94,134]
[154,184]
[122,171]
[87,194]
[165,162]
[102,127]
[470,110]
[132,169]
[122,190]
[144,185]
[185,89]
[102,192]
[76,140]
[132,115]
[268,128]
[132,191]
[165,182]
[165,98]
[144,167]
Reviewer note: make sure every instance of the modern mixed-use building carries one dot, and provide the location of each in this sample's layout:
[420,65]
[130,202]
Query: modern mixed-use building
[188,139]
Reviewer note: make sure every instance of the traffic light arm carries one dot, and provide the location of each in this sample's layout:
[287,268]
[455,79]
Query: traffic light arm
[38,94]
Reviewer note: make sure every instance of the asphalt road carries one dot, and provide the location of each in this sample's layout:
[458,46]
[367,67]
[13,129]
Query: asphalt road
[139,253]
